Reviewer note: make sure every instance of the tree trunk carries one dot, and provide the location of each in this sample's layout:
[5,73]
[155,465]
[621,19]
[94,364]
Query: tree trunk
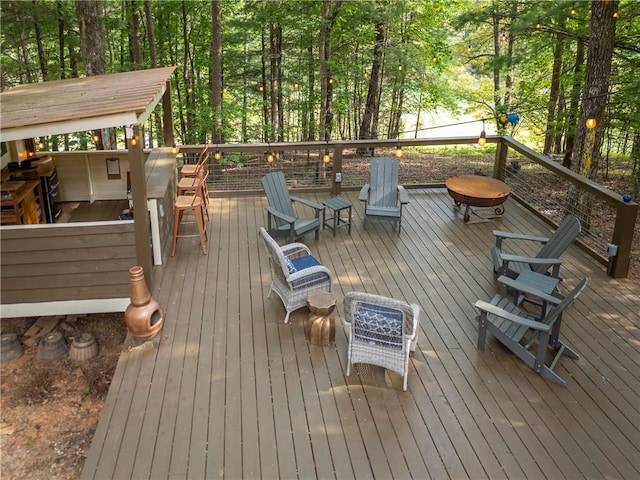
[188,80]
[275,56]
[554,91]
[366,124]
[92,50]
[268,132]
[310,115]
[508,83]
[323,56]
[575,101]
[216,70]
[135,49]
[91,36]
[153,57]
[41,57]
[61,39]
[497,99]
[596,85]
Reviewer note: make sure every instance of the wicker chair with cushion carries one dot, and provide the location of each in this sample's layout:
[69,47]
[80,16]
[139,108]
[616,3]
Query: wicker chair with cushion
[382,331]
[295,273]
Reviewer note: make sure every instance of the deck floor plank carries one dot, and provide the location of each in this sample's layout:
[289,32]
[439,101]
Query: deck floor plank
[231,391]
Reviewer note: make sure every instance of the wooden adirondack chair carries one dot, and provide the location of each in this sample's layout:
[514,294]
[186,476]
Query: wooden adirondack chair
[547,258]
[520,331]
[383,197]
[282,219]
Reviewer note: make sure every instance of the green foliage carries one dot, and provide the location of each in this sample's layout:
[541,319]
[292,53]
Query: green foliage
[436,54]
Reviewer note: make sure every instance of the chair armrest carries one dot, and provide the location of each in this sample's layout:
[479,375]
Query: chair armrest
[295,248]
[308,203]
[525,288]
[403,194]
[499,312]
[519,236]
[364,192]
[507,257]
[280,215]
[416,323]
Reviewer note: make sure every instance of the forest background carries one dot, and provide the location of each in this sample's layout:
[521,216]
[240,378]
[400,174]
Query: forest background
[258,71]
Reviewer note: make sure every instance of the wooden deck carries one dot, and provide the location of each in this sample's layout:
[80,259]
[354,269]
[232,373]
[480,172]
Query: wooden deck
[232,392]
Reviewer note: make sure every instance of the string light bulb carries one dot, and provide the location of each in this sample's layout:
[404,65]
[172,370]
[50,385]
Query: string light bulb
[591,122]
[41,145]
[326,157]
[399,68]
[398,152]
[615,14]
[217,155]
[174,150]
[482,141]
[271,157]
[538,25]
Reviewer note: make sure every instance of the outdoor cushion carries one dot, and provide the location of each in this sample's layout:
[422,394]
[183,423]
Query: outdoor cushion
[301,263]
[374,323]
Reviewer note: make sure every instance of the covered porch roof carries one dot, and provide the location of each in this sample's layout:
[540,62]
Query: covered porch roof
[80,104]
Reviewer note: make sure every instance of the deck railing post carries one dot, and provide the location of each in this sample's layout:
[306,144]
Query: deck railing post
[501,159]
[337,169]
[626,215]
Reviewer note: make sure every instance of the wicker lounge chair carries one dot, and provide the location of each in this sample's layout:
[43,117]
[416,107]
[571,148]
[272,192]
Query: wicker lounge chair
[294,273]
[382,331]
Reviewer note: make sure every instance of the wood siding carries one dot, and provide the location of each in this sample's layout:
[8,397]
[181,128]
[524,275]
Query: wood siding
[66,262]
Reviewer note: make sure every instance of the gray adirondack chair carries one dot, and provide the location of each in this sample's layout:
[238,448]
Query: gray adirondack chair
[522,332]
[383,197]
[548,258]
[282,219]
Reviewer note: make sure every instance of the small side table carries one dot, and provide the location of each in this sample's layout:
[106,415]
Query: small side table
[337,205]
[320,328]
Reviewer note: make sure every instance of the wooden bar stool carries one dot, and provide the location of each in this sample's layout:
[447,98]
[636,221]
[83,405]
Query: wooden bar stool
[196,185]
[195,203]
[189,170]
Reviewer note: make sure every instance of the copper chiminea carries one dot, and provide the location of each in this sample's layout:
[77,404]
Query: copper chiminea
[143,315]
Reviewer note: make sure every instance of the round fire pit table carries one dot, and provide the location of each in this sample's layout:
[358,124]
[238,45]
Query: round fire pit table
[478,191]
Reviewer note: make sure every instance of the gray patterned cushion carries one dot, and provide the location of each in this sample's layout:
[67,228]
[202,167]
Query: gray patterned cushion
[378,325]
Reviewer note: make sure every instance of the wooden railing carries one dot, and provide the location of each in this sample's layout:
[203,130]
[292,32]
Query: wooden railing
[576,193]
